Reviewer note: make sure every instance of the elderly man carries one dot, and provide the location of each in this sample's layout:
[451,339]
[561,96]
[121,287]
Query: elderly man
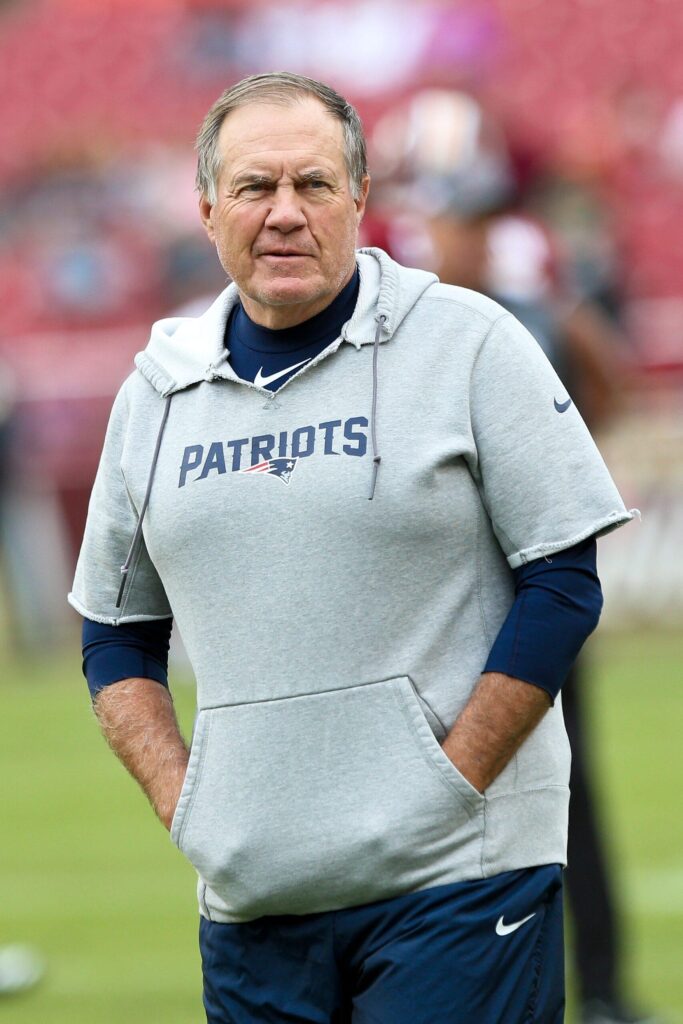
[370,506]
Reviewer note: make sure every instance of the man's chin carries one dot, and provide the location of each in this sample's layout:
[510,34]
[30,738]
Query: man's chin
[286,303]
[290,292]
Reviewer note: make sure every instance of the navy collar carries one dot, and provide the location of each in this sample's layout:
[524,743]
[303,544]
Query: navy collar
[324,327]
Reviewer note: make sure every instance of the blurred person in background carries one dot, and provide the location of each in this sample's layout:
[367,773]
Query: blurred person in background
[444,159]
[7,391]
[375,795]
[20,966]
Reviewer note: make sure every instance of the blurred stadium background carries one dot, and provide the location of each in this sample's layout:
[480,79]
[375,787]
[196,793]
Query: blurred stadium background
[99,235]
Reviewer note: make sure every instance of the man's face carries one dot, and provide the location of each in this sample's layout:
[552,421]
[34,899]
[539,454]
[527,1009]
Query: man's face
[285,222]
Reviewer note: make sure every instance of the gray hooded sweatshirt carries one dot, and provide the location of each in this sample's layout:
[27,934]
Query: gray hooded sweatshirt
[335,639]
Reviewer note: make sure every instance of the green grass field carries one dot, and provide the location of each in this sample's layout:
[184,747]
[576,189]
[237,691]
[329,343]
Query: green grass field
[89,877]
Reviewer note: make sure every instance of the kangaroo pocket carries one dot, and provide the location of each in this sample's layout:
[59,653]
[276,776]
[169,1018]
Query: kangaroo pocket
[326,800]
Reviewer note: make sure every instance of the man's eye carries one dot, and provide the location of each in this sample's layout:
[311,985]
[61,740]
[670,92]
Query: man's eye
[316,183]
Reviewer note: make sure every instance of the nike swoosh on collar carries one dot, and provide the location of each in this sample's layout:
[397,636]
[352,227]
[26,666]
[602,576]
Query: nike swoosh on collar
[505,929]
[261,381]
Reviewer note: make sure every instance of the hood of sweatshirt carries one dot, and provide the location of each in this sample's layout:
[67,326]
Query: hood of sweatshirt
[186,350]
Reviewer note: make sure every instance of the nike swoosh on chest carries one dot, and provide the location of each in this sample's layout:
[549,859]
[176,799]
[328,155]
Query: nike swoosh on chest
[262,382]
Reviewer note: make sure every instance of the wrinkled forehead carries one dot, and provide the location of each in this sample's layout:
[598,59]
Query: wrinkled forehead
[260,133]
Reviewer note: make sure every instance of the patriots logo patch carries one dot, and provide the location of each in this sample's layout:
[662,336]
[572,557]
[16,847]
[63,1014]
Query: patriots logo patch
[281,468]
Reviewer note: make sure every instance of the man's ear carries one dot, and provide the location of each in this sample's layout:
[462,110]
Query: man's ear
[205,208]
[363,197]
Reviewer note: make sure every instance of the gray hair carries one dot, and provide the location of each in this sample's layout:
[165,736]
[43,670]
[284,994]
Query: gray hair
[284,88]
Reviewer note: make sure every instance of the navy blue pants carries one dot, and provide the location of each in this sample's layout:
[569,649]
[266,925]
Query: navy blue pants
[485,952]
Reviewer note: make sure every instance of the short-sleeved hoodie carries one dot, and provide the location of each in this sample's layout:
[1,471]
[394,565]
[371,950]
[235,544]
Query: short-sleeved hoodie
[334,639]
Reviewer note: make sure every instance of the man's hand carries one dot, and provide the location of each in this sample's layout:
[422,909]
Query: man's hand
[494,723]
[139,723]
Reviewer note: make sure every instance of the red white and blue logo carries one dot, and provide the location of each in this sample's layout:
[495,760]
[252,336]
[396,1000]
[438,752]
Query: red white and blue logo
[281,468]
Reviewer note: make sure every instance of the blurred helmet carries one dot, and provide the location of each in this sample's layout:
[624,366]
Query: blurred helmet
[442,153]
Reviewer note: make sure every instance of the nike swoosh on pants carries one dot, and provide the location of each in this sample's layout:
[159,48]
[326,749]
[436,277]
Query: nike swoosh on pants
[506,929]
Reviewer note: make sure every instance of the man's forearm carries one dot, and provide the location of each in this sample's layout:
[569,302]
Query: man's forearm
[139,723]
[494,723]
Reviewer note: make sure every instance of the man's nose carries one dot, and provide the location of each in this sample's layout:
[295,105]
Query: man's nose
[286,210]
